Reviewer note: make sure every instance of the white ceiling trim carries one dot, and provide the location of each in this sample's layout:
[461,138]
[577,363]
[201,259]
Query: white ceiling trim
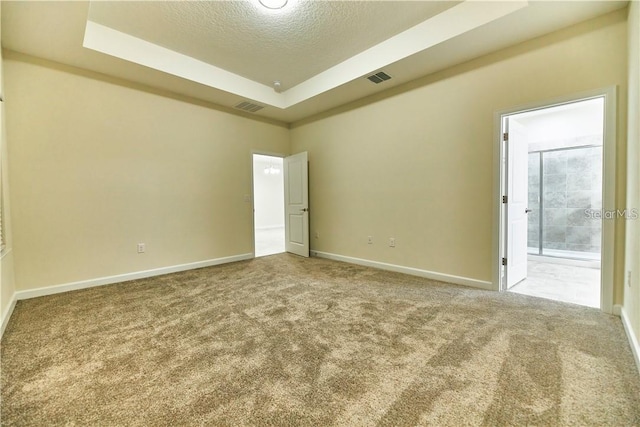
[124,46]
[452,22]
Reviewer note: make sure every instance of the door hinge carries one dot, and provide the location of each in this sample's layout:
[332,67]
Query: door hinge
[505,136]
[505,199]
[504,261]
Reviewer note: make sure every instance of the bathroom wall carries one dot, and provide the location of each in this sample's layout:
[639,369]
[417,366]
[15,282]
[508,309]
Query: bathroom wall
[268,191]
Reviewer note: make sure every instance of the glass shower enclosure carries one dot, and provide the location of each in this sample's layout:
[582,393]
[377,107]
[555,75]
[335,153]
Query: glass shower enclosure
[565,190]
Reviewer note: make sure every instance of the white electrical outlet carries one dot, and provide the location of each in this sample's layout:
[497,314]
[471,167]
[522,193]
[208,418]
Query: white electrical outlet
[142,247]
[370,240]
[317,234]
[392,242]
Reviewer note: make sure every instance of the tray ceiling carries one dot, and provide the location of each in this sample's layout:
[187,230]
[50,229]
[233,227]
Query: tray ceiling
[227,52]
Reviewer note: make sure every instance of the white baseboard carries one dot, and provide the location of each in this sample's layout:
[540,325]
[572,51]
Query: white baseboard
[5,252]
[441,277]
[617,310]
[7,314]
[56,289]
[633,341]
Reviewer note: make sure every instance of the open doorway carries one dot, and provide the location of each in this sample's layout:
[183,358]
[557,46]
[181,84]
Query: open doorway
[552,212]
[268,205]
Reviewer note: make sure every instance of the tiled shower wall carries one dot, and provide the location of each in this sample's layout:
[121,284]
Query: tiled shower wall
[572,184]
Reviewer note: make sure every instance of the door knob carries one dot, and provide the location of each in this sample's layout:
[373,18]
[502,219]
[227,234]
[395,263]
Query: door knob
[527,210]
[304,210]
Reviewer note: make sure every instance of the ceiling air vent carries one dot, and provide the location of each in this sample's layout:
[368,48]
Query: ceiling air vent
[248,106]
[379,77]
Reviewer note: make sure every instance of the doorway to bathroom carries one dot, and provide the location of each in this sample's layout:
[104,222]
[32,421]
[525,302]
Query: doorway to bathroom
[553,204]
[268,205]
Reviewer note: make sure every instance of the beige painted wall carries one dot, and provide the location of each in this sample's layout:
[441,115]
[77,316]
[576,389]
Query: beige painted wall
[632,288]
[415,163]
[7,285]
[98,166]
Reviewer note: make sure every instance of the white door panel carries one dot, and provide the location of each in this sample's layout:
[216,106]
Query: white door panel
[296,200]
[517,198]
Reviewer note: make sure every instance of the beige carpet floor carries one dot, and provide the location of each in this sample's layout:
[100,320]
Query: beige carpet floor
[286,341]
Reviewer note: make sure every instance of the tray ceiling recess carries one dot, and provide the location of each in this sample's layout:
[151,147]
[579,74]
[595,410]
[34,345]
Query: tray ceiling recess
[321,53]
[107,32]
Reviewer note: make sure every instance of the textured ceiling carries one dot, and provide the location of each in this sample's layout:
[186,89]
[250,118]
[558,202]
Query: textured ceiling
[54,30]
[290,45]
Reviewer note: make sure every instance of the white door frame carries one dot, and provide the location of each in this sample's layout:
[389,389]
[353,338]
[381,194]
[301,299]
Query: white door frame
[608,186]
[253,195]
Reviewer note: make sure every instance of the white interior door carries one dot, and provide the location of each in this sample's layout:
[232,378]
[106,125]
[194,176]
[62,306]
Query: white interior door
[517,198]
[296,204]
